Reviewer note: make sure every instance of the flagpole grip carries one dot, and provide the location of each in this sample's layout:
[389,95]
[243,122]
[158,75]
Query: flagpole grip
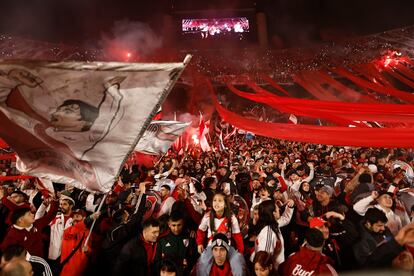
[187,59]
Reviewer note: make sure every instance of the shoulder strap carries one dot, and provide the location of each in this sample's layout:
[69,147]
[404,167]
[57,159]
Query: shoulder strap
[62,264]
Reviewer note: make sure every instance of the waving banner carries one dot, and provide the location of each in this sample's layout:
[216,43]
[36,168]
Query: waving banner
[78,121]
[159,136]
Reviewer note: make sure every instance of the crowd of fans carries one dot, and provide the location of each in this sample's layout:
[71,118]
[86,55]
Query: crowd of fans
[260,207]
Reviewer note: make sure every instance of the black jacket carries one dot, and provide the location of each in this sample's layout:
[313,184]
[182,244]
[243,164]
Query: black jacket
[132,259]
[368,244]
[119,235]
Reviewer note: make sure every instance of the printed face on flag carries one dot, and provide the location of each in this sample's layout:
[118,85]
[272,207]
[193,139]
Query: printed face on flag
[78,121]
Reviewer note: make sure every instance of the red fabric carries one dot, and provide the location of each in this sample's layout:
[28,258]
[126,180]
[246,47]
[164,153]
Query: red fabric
[150,249]
[71,238]
[8,156]
[201,235]
[3,144]
[340,113]
[195,216]
[12,207]
[15,177]
[224,271]
[283,185]
[342,136]
[31,240]
[140,159]
[238,238]
[408,97]
[306,261]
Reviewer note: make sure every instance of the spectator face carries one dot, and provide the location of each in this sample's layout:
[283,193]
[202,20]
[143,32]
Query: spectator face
[294,177]
[256,184]
[176,227]
[322,196]
[385,201]
[164,192]
[277,195]
[17,198]
[151,233]
[77,217]
[325,231]
[377,227]
[261,271]
[305,187]
[111,199]
[219,255]
[174,172]
[264,194]
[276,212]
[255,216]
[10,190]
[213,185]
[382,161]
[167,273]
[26,220]
[218,203]
[65,207]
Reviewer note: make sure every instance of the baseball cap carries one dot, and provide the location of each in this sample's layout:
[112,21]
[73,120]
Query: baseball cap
[327,189]
[317,222]
[373,168]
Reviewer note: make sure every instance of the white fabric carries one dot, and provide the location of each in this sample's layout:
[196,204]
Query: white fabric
[267,239]
[205,226]
[57,227]
[159,136]
[124,94]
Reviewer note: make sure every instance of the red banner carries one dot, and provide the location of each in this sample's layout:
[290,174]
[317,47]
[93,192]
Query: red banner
[8,156]
[15,177]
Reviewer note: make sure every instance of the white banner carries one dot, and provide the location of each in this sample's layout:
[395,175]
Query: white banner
[159,136]
[80,120]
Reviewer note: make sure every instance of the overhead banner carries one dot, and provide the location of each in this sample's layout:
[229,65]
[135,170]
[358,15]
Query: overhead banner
[159,136]
[80,120]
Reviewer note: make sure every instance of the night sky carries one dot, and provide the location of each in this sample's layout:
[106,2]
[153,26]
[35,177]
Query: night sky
[84,21]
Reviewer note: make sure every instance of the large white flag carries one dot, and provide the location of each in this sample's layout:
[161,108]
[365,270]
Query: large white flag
[78,121]
[159,136]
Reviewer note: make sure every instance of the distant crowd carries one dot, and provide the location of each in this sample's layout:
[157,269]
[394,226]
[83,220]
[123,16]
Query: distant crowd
[259,207]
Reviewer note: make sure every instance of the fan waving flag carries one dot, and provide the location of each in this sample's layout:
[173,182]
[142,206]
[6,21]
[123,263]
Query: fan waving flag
[78,121]
[159,136]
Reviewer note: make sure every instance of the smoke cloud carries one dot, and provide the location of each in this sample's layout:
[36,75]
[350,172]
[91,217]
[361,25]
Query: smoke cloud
[130,40]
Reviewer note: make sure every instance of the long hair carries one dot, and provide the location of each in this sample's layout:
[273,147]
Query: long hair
[265,260]
[266,216]
[309,194]
[226,214]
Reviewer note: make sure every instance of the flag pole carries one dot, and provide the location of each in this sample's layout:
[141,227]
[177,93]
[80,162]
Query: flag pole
[159,160]
[138,202]
[85,247]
